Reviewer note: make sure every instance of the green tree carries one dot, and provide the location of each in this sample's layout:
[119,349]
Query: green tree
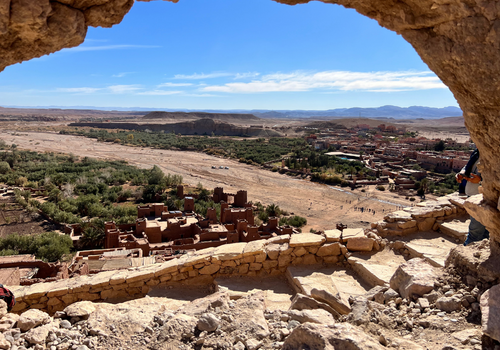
[440,146]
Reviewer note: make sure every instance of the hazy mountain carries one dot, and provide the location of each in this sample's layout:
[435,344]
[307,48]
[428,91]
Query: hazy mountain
[394,112]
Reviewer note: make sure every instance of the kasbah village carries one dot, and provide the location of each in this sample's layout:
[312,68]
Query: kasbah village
[314,236]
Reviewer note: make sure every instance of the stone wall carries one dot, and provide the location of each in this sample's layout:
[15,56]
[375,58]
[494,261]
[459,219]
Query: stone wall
[263,257]
[425,216]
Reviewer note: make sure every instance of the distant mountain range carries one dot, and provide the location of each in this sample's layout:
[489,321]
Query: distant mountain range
[384,112]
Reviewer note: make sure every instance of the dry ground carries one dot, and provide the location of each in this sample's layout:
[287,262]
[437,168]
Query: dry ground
[322,205]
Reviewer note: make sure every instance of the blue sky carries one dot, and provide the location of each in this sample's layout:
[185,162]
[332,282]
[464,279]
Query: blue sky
[231,54]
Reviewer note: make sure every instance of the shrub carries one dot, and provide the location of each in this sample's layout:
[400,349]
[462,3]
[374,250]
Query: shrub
[380,188]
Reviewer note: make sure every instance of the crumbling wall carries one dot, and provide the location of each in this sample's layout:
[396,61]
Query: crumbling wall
[260,257]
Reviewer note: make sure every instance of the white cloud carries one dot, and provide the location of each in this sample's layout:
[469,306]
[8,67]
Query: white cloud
[246,75]
[200,76]
[80,90]
[123,89]
[335,80]
[110,47]
[159,92]
[121,75]
[174,84]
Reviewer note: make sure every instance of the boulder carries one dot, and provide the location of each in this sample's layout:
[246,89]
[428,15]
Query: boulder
[208,322]
[303,302]
[448,304]
[37,335]
[330,337]
[4,343]
[329,250]
[314,316]
[399,215]
[415,277]
[321,287]
[490,312]
[80,309]
[31,319]
[360,244]
[306,239]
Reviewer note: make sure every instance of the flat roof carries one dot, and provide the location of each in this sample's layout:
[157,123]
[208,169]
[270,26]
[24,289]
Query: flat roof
[337,154]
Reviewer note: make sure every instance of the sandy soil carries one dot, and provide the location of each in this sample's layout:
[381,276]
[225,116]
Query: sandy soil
[322,205]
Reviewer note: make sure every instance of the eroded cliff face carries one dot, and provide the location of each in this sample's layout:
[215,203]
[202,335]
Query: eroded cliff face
[459,40]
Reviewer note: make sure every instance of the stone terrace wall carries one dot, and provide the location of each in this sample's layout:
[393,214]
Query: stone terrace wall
[426,216]
[261,257]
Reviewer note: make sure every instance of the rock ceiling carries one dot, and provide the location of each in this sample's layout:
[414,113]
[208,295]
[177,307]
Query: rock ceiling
[458,40]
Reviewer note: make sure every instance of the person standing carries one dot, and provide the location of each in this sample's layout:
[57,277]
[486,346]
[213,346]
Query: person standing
[469,179]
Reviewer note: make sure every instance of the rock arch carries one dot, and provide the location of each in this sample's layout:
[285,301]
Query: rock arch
[458,39]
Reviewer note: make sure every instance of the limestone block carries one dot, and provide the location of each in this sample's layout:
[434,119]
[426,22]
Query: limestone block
[54,301]
[80,309]
[229,263]
[457,200]
[426,212]
[199,257]
[145,290]
[37,335]
[3,309]
[89,296]
[490,312]
[299,251]
[135,284]
[243,269]
[69,298]
[140,275]
[254,247]
[255,267]
[259,258]
[456,229]
[398,215]
[329,337]
[331,259]
[313,250]
[210,269]
[448,211]
[415,277]
[407,224]
[284,260]
[179,277]
[310,259]
[360,244]
[425,224]
[246,260]
[118,278]
[320,287]
[99,279]
[187,268]
[165,278]
[31,319]
[120,286]
[329,249]
[274,250]
[304,302]
[306,239]
[314,316]
[37,290]
[332,235]
[409,231]
[298,260]
[199,266]
[269,264]
[167,267]
[105,294]
[193,273]
[449,304]
[229,251]
[20,306]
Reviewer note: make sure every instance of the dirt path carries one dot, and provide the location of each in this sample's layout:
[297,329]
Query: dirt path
[322,205]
